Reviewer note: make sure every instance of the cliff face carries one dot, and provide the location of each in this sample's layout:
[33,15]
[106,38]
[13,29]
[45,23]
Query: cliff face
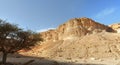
[76,27]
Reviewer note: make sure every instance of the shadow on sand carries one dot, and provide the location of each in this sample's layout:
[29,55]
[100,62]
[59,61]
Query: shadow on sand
[18,59]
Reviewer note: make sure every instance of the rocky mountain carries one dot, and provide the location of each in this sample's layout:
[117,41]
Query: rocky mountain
[73,28]
[79,38]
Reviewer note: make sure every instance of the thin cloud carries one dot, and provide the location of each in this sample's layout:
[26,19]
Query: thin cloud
[43,30]
[105,12]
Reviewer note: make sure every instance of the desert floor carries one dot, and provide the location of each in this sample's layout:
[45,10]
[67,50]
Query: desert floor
[24,60]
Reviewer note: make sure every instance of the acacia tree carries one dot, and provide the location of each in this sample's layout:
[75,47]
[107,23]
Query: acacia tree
[13,39]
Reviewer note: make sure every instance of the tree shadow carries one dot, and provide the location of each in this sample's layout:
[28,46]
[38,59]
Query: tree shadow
[18,59]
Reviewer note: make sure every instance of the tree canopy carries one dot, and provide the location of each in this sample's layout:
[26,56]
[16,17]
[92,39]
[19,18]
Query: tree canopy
[13,39]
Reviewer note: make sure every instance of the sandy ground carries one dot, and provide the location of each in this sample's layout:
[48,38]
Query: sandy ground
[21,60]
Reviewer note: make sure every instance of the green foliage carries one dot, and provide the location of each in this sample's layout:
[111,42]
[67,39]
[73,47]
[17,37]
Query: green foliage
[13,39]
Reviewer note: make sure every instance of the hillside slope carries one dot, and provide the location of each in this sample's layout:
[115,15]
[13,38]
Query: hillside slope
[79,38]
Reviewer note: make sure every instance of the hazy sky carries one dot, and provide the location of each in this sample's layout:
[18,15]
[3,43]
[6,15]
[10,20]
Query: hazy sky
[38,15]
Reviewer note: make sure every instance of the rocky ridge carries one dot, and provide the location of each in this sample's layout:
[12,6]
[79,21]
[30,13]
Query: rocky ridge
[76,27]
[79,38]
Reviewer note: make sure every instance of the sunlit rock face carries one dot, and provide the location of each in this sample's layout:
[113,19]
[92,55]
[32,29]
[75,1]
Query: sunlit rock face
[116,27]
[73,28]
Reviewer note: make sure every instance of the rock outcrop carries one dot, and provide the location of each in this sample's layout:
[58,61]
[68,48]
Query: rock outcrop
[116,27]
[73,28]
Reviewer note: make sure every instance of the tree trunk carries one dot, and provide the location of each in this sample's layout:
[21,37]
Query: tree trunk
[4,58]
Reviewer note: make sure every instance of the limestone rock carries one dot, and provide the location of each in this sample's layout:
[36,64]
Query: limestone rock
[116,27]
[79,38]
[49,35]
[73,28]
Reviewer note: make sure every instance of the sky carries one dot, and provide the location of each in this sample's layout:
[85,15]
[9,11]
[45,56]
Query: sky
[41,15]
